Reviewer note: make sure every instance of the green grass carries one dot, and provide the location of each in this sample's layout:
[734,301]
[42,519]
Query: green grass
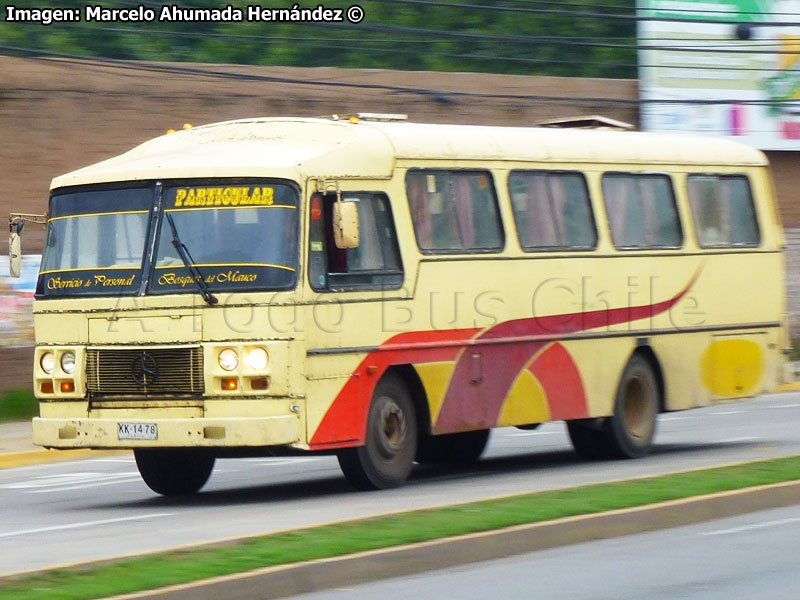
[149,572]
[17,405]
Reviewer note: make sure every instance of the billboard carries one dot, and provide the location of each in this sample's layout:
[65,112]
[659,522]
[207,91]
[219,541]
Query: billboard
[729,68]
[16,301]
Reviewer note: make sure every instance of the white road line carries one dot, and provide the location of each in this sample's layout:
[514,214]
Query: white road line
[665,419]
[85,486]
[728,412]
[82,478]
[739,439]
[526,433]
[783,406]
[750,527]
[80,525]
[271,460]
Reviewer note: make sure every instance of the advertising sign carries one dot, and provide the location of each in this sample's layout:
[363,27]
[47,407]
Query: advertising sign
[729,68]
[16,300]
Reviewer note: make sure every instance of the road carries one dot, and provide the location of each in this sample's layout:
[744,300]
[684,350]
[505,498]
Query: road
[98,508]
[741,558]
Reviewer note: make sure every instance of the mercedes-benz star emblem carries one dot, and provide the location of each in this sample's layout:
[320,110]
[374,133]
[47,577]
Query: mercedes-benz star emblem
[144,369]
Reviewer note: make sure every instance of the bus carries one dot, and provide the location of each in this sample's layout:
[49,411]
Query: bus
[389,292]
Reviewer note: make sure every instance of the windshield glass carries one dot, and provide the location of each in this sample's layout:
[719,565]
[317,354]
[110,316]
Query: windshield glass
[95,242]
[239,236]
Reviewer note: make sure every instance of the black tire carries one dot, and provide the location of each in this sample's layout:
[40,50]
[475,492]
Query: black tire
[588,438]
[174,471]
[452,448]
[385,459]
[632,427]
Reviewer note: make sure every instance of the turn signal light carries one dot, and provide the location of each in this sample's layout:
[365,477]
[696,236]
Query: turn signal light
[67,387]
[47,387]
[230,384]
[259,383]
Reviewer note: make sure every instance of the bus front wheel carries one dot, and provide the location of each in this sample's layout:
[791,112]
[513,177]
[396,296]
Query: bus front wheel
[174,472]
[384,461]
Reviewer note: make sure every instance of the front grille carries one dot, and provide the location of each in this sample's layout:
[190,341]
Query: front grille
[145,372]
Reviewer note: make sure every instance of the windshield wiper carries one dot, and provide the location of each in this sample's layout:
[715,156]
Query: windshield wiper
[187,259]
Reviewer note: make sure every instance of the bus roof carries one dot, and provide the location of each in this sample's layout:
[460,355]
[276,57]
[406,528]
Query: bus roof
[297,148]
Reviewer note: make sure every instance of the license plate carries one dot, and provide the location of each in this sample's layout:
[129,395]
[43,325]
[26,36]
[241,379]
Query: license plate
[137,431]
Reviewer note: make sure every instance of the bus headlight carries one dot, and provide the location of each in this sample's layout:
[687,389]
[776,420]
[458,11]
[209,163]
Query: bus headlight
[228,359]
[257,359]
[48,362]
[68,362]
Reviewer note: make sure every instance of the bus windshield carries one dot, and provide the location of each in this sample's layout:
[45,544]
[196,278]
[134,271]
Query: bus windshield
[95,242]
[240,236]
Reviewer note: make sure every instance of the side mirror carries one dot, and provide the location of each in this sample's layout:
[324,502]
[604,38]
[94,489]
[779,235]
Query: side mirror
[14,253]
[16,222]
[345,224]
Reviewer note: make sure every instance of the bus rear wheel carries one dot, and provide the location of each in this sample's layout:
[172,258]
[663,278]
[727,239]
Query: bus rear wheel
[174,471]
[455,448]
[629,431]
[385,459]
[632,427]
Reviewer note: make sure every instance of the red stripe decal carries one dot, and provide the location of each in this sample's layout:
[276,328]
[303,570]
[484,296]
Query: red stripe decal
[562,384]
[479,385]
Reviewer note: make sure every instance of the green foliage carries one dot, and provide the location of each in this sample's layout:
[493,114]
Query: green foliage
[17,405]
[532,38]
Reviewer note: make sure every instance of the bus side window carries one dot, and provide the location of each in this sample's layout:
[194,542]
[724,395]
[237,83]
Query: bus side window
[641,210]
[374,264]
[552,210]
[724,215]
[454,211]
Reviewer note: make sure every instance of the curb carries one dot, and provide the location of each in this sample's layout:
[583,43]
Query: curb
[10,460]
[788,387]
[346,571]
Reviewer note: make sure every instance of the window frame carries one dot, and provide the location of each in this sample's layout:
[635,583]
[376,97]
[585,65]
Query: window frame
[340,283]
[636,175]
[753,205]
[458,251]
[161,228]
[589,204]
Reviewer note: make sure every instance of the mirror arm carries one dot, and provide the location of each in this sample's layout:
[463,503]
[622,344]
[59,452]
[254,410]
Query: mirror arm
[16,223]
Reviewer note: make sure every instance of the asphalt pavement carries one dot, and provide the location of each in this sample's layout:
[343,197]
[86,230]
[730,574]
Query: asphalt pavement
[16,449]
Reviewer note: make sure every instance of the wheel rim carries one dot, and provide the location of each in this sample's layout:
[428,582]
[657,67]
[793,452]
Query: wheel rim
[392,429]
[637,409]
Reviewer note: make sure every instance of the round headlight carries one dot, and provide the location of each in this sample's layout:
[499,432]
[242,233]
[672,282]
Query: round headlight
[257,359]
[68,362]
[228,359]
[48,362]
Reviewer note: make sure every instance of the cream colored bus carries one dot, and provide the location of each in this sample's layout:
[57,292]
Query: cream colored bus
[391,291]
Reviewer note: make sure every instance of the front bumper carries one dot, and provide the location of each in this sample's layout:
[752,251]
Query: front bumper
[284,430]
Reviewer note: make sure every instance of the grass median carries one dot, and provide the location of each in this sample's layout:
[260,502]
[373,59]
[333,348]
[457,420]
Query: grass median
[17,404]
[153,571]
